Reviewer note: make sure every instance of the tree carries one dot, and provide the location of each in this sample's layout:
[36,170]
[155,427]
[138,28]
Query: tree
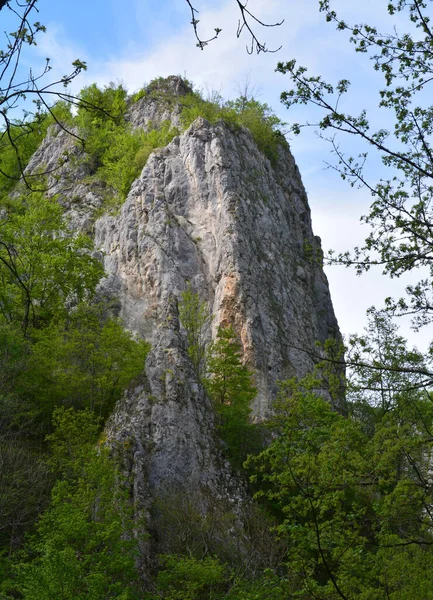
[229,384]
[196,319]
[42,264]
[85,361]
[84,547]
[402,211]
[353,492]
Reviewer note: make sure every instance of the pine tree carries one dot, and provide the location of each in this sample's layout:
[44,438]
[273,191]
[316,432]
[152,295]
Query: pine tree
[230,386]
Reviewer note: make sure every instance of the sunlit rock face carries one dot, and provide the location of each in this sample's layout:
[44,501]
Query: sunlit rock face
[211,210]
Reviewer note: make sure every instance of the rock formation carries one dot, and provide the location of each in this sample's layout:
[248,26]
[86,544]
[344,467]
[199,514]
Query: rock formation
[211,211]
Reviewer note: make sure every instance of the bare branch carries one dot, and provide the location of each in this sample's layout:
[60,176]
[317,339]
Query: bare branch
[245,22]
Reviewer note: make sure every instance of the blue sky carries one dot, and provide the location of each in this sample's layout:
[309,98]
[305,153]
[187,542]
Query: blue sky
[134,41]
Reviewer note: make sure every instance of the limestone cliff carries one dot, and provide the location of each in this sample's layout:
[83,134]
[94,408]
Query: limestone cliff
[212,211]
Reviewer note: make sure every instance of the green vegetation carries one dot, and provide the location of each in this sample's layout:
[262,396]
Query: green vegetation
[184,578]
[353,491]
[83,547]
[349,490]
[58,348]
[85,362]
[20,141]
[196,320]
[42,265]
[187,578]
[258,117]
[230,387]
[116,154]
[128,152]
[228,382]
[263,124]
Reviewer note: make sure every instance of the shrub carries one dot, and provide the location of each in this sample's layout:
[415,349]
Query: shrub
[127,154]
[85,362]
[186,578]
[83,548]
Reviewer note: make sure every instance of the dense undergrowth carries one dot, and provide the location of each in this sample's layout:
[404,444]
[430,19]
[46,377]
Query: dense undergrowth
[64,357]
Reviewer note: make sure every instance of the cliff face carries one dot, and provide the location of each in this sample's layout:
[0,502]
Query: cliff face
[209,210]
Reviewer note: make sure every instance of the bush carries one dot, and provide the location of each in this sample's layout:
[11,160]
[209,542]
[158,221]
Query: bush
[84,547]
[127,154]
[84,362]
[186,578]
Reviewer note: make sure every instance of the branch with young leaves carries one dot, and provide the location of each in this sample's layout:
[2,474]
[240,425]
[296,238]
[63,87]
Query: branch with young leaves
[401,213]
[17,88]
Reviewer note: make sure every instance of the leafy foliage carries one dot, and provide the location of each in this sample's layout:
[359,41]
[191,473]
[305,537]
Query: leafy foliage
[25,479]
[98,124]
[228,382]
[188,578]
[128,153]
[185,578]
[55,349]
[85,362]
[42,265]
[196,320]
[353,491]
[231,389]
[83,547]
[114,152]
[400,215]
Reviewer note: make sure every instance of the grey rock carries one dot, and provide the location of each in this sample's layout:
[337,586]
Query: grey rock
[165,429]
[61,158]
[209,209]
[159,104]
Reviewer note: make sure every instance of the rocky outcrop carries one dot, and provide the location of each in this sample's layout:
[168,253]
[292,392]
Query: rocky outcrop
[211,210]
[164,427]
[158,103]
